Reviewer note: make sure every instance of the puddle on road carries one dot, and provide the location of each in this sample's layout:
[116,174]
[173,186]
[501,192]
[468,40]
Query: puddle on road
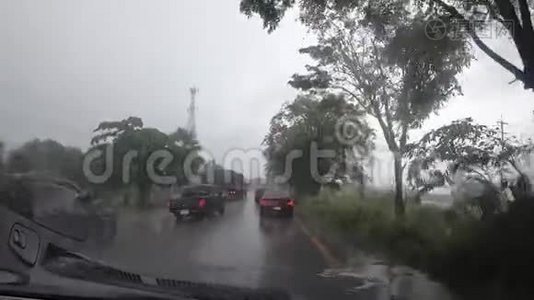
[397,282]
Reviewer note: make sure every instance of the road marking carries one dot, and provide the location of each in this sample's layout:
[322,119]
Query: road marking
[327,254]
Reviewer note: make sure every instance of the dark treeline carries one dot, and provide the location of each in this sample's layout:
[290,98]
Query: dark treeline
[50,158]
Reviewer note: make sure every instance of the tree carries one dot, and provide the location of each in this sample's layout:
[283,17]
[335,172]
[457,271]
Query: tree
[477,152]
[183,138]
[388,68]
[422,179]
[112,129]
[129,136]
[314,118]
[47,156]
[471,17]
[182,144]
[512,16]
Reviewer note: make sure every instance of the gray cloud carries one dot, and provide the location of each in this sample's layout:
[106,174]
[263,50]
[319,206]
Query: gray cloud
[67,65]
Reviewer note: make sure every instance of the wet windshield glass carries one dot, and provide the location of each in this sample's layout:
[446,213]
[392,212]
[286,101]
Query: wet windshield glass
[196,192]
[322,149]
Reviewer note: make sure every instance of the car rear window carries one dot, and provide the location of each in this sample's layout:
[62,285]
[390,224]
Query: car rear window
[197,191]
[276,195]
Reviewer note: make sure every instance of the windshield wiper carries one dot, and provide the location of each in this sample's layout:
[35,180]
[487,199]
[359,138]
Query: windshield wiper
[60,293]
[77,266]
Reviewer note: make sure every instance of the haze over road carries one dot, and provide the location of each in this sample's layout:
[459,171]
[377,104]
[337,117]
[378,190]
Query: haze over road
[238,249]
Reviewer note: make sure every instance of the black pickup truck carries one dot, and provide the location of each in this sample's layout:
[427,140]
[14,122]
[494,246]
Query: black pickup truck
[197,201]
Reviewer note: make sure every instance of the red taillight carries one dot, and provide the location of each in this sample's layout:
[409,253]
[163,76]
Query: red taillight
[290,202]
[264,202]
[202,202]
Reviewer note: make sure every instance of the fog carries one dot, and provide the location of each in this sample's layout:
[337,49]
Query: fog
[66,66]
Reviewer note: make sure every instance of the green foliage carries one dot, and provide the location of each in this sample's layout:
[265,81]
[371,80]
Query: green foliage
[413,239]
[496,253]
[421,179]
[470,255]
[387,66]
[110,130]
[313,118]
[464,18]
[181,144]
[273,11]
[47,156]
[462,141]
[270,11]
[398,77]
[128,136]
[479,152]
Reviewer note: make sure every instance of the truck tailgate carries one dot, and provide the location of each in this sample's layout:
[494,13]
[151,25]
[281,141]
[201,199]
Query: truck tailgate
[183,203]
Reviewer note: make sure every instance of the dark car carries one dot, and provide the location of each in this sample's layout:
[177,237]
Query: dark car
[59,205]
[197,201]
[277,203]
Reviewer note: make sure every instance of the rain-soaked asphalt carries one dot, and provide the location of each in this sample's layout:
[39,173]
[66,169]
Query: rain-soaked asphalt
[239,249]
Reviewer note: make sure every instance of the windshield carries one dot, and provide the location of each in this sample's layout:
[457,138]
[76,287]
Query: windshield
[327,149]
[196,191]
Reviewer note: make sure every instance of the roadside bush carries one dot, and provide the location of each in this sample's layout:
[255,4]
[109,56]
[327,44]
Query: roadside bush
[498,254]
[489,259]
[372,221]
[343,213]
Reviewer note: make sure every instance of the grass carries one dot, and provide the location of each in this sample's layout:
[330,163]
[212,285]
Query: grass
[370,224]
[468,254]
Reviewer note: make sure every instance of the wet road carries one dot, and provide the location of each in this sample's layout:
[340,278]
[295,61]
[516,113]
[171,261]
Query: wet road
[238,249]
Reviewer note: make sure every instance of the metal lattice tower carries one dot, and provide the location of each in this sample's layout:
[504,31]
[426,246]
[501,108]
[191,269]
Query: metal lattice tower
[191,111]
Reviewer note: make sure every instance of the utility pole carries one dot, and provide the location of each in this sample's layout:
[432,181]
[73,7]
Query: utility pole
[501,123]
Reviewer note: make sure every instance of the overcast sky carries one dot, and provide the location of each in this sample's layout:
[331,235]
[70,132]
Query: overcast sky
[67,65]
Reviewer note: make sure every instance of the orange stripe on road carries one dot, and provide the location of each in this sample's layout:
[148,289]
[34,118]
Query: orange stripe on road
[329,258]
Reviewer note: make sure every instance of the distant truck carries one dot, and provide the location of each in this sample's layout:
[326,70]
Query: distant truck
[235,187]
[231,182]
